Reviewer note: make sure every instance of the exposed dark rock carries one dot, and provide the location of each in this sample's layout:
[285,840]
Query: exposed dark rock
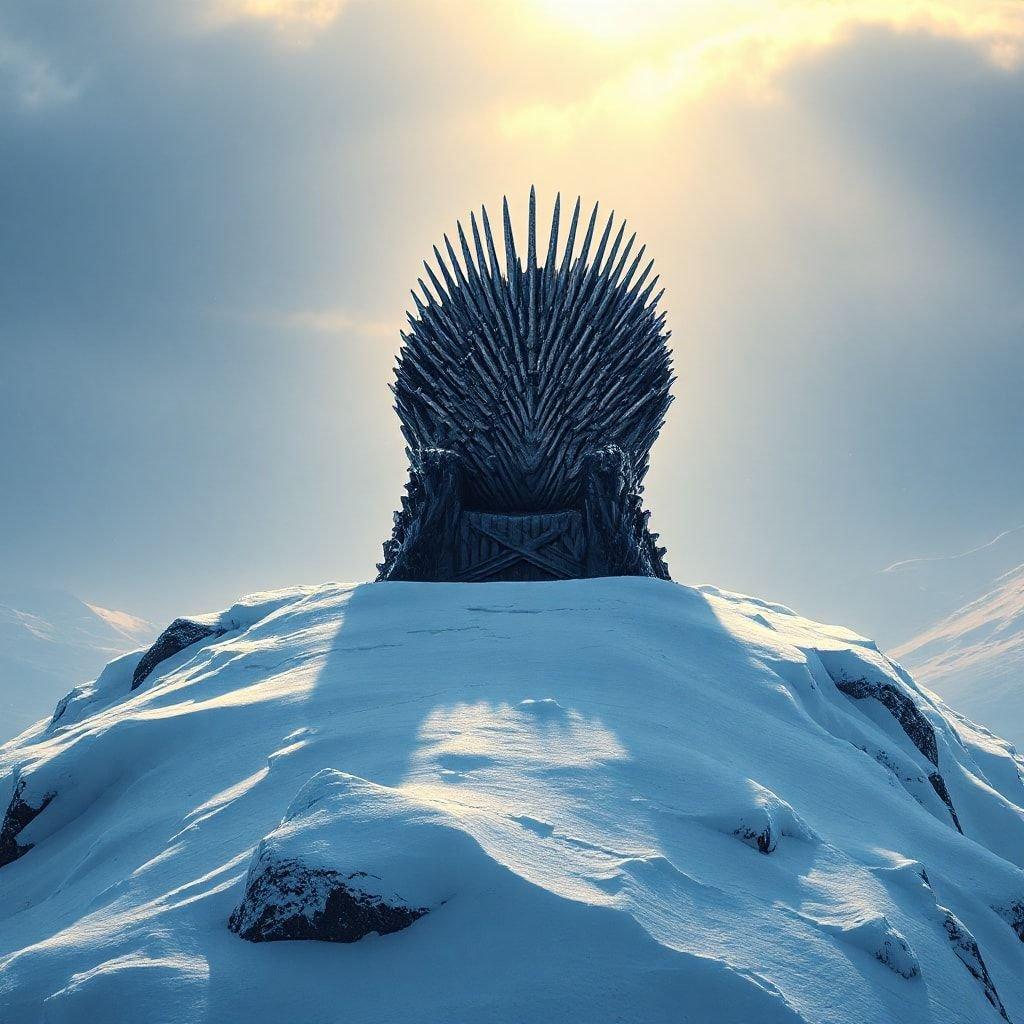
[966,948]
[939,785]
[62,705]
[909,780]
[902,708]
[1013,915]
[913,783]
[19,814]
[181,633]
[286,899]
[763,840]
[886,945]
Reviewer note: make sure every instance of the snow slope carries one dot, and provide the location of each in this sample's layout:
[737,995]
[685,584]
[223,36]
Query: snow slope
[975,656]
[617,800]
[50,639]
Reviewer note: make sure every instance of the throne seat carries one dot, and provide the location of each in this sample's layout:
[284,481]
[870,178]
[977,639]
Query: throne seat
[540,546]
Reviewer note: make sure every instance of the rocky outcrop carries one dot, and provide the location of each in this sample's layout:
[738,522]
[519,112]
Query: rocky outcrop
[19,814]
[350,858]
[872,932]
[181,633]
[919,730]
[764,841]
[760,818]
[1013,914]
[966,948]
[939,785]
[903,709]
[894,951]
[289,900]
[62,705]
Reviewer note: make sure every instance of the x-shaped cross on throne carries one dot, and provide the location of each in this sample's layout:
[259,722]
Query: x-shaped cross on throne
[543,551]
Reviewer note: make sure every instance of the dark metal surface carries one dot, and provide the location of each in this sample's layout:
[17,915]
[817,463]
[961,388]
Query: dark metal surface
[543,546]
[523,370]
[531,390]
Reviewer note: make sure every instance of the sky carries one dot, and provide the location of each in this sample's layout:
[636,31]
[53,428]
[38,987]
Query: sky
[211,215]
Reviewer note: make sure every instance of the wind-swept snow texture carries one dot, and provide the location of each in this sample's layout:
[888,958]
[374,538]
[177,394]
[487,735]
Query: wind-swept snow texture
[594,800]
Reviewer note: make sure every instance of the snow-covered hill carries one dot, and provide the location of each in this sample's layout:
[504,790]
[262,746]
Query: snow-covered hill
[50,640]
[602,800]
[975,657]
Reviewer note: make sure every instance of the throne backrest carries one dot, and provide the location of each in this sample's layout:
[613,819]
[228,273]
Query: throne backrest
[524,371]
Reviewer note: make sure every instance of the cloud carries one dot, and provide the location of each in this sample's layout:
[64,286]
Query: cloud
[313,12]
[908,562]
[832,199]
[298,21]
[30,81]
[748,47]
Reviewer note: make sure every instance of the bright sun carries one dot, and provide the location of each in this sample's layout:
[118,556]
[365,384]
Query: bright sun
[617,17]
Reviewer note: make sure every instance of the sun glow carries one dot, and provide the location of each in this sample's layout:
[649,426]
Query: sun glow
[620,19]
[312,14]
[653,56]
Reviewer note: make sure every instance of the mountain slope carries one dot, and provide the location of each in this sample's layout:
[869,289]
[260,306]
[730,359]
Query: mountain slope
[50,640]
[910,596]
[618,799]
[975,657]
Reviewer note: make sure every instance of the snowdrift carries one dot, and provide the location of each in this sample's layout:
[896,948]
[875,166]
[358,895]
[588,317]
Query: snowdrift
[601,800]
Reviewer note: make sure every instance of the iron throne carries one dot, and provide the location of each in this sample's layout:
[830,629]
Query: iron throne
[529,400]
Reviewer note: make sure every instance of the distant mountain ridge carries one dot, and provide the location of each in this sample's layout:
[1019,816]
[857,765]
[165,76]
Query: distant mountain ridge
[50,641]
[910,596]
[974,657]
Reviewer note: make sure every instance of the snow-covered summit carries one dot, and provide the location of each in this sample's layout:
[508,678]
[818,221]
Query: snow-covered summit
[618,799]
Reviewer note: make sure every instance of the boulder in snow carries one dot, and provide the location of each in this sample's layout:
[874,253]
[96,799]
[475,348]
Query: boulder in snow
[873,933]
[185,632]
[349,858]
[19,814]
[181,633]
[286,899]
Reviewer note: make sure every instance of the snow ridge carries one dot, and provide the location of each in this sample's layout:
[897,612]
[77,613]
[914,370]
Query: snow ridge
[619,799]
